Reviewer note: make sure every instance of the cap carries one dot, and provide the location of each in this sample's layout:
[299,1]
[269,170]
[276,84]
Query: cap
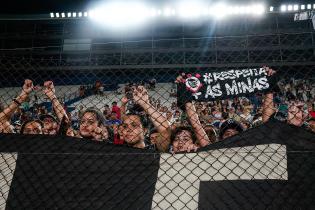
[18,122]
[230,124]
[43,116]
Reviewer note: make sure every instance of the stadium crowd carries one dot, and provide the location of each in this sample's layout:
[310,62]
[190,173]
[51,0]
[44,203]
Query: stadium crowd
[141,121]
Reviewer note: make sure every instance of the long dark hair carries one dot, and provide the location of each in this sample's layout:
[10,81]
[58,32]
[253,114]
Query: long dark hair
[99,115]
[180,129]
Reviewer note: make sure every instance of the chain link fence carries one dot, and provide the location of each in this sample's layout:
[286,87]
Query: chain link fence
[83,133]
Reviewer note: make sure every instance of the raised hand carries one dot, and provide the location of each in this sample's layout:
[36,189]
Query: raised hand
[124,100]
[187,148]
[49,89]
[28,87]
[295,114]
[100,134]
[191,148]
[180,78]
[269,71]
[140,96]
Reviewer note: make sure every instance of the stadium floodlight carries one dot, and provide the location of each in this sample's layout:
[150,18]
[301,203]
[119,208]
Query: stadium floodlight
[122,15]
[85,14]
[159,12]
[80,14]
[313,6]
[283,8]
[249,9]
[290,7]
[219,11]
[242,10]
[69,15]
[63,15]
[190,9]
[153,12]
[309,6]
[205,11]
[167,12]
[271,9]
[230,10]
[302,7]
[52,15]
[91,13]
[258,9]
[237,10]
[74,14]
[295,7]
[57,15]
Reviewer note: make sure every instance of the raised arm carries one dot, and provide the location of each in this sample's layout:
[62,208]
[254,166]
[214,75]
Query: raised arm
[193,117]
[140,96]
[295,114]
[123,107]
[6,114]
[49,91]
[268,105]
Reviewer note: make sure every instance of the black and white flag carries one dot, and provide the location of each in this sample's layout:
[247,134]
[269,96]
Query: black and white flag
[262,168]
[224,84]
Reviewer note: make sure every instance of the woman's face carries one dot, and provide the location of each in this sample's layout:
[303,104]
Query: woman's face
[229,132]
[182,141]
[50,126]
[132,130]
[88,124]
[33,127]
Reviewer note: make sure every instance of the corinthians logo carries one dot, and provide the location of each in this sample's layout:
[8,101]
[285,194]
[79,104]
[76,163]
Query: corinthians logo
[193,83]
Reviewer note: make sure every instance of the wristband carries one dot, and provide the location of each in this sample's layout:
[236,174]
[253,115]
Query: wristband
[17,102]
[54,99]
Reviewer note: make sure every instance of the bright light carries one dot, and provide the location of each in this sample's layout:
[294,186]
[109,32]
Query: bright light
[74,14]
[219,11]
[91,13]
[271,9]
[302,7]
[313,6]
[80,14]
[69,14]
[258,9]
[190,9]
[230,10]
[242,10]
[167,12]
[290,7]
[52,15]
[309,6]
[153,12]
[63,15]
[57,15]
[283,8]
[295,7]
[121,14]
[248,9]
[205,11]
